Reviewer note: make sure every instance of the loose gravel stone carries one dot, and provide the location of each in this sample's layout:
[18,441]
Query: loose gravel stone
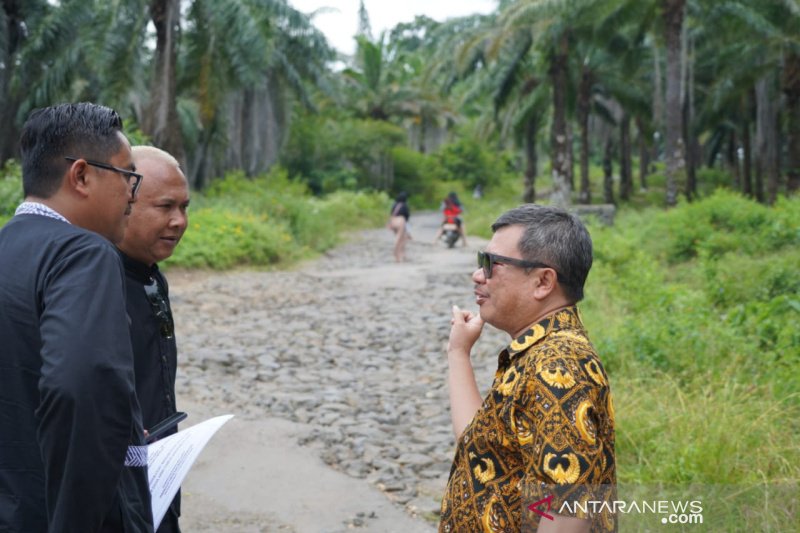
[352,345]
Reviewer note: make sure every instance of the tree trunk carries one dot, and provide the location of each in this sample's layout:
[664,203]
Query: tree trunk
[644,154]
[766,139]
[12,35]
[692,151]
[570,158]
[673,12]
[531,160]
[608,172]
[691,154]
[791,88]
[161,119]
[747,160]
[658,105]
[732,156]
[625,170]
[560,159]
[584,99]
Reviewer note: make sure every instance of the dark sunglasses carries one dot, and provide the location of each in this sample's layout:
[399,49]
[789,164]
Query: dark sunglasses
[160,307]
[134,179]
[486,261]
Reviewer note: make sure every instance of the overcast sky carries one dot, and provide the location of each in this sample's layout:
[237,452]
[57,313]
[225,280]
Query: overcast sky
[340,26]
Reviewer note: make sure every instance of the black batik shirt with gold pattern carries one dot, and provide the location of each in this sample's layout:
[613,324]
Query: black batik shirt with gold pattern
[545,428]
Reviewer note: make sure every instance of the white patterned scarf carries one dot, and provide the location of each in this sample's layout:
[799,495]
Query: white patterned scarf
[35,208]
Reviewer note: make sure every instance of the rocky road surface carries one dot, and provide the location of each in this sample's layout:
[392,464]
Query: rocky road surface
[337,376]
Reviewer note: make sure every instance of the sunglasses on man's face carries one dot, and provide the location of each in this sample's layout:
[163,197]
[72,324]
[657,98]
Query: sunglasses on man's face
[134,179]
[160,308]
[486,261]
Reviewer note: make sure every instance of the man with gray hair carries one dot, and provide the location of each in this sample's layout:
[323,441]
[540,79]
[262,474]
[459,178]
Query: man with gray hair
[543,437]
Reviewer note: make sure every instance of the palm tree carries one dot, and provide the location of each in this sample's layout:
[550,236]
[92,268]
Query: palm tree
[744,83]
[552,29]
[58,61]
[160,120]
[241,60]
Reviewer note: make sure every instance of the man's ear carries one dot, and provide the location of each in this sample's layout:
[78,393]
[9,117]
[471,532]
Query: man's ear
[547,282]
[77,178]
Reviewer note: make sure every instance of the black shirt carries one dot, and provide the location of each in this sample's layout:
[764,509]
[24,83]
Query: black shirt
[400,209]
[155,352]
[68,407]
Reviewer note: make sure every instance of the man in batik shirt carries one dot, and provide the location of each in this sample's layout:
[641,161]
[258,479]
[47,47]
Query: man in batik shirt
[537,454]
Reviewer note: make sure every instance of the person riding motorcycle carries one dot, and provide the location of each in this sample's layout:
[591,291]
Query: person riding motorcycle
[451,209]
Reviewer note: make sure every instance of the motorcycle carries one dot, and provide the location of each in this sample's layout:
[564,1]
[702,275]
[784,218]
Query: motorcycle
[450,234]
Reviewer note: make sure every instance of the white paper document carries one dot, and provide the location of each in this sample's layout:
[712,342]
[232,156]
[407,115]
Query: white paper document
[169,460]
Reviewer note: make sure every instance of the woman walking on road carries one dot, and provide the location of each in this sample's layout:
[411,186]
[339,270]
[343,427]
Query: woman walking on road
[398,223]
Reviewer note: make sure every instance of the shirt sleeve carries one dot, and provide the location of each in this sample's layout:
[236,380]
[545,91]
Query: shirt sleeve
[87,411]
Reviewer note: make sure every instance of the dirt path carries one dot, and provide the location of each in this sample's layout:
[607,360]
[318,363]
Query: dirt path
[337,377]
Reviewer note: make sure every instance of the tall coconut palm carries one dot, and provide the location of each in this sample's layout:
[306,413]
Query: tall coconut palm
[553,27]
[739,73]
[242,57]
[160,120]
[59,61]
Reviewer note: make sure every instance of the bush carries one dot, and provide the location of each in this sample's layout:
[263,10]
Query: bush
[220,238]
[470,162]
[700,342]
[412,175]
[734,278]
[270,219]
[723,222]
[10,188]
[330,155]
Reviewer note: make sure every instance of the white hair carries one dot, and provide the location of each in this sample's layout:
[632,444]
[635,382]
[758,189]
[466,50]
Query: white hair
[151,152]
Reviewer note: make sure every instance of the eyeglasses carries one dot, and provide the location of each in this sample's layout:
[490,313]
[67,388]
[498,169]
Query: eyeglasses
[486,261]
[160,307]
[129,174]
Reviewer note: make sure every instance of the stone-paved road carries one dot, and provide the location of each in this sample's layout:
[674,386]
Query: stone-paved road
[340,362]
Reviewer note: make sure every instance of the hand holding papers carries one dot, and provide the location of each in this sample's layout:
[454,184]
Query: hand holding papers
[169,460]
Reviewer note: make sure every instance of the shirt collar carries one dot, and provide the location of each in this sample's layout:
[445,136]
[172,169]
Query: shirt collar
[567,318]
[139,270]
[36,208]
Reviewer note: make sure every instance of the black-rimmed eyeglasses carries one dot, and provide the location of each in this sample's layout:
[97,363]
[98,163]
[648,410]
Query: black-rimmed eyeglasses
[486,261]
[134,179]
[158,302]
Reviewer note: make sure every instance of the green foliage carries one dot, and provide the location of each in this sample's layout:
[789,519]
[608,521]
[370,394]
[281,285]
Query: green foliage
[10,188]
[734,278]
[724,222]
[221,238]
[411,174]
[268,220]
[480,214]
[701,341]
[330,154]
[469,161]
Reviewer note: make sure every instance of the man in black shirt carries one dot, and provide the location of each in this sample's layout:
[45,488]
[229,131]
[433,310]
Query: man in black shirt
[156,225]
[72,455]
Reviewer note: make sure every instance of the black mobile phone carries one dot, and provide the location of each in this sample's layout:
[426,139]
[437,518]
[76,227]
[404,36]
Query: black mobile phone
[165,425]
